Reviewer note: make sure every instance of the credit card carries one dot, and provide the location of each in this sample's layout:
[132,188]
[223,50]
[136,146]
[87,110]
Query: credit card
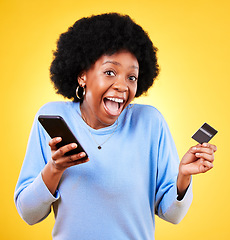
[204,134]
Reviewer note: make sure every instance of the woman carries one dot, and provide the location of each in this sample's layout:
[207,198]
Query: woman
[102,63]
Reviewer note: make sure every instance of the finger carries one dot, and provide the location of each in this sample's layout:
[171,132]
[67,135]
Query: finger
[211,146]
[76,157]
[53,142]
[69,161]
[208,164]
[205,166]
[194,149]
[62,150]
[200,166]
[80,161]
[205,156]
[204,150]
[189,156]
[207,150]
[74,163]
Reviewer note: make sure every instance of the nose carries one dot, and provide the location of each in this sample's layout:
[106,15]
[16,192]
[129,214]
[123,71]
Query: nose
[120,84]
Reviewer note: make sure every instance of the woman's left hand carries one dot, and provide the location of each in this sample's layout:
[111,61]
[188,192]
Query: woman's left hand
[198,159]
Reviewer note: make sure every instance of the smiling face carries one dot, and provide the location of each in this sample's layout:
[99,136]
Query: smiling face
[111,84]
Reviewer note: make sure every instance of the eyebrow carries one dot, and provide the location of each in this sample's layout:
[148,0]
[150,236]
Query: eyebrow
[118,64]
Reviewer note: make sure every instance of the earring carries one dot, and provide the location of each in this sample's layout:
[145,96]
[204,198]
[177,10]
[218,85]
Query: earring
[82,94]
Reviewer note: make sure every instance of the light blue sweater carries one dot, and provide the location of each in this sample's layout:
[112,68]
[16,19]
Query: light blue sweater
[116,194]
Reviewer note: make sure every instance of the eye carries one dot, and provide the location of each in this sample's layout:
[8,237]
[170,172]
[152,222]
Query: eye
[110,73]
[133,78]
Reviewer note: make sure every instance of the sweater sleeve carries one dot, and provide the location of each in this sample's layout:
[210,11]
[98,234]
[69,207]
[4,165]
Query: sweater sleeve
[32,198]
[178,209]
[167,206]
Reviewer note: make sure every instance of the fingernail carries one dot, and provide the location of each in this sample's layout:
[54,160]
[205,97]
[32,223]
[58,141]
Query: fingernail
[74,145]
[194,148]
[197,154]
[82,154]
[205,144]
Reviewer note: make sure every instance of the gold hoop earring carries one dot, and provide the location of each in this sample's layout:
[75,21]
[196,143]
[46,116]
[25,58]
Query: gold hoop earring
[82,94]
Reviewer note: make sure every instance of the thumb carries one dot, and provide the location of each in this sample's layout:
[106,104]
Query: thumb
[189,156]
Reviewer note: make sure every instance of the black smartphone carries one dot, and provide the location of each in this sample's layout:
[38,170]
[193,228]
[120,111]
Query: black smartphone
[56,126]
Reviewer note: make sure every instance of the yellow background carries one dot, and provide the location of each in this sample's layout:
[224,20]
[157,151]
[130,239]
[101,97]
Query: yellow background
[193,87]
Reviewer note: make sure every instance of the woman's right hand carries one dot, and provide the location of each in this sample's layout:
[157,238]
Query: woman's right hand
[59,160]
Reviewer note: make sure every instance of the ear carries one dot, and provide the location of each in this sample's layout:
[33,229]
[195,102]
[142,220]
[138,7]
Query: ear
[82,79]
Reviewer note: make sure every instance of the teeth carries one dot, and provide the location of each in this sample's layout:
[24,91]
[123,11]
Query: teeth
[118,100]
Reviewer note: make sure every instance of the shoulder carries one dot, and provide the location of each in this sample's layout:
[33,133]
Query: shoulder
[139,116]
[58,107]
[146,112]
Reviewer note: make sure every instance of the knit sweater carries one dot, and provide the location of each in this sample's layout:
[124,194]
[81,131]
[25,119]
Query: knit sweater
[118,192]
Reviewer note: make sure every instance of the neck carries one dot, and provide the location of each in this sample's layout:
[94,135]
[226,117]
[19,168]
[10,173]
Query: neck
[93,122]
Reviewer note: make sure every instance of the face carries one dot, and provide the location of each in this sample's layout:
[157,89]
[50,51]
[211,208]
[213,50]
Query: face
[110,84]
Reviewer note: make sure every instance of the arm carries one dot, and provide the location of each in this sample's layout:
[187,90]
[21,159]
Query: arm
[39,178]
[32,198]
[52,172]
[167,205]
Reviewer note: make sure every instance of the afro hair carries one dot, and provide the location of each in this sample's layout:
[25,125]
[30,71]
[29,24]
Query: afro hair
[90,38]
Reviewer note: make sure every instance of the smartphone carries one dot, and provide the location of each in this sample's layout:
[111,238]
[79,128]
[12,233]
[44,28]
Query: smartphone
[56,126]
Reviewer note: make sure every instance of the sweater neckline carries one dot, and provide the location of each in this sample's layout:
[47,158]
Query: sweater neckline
[76,111]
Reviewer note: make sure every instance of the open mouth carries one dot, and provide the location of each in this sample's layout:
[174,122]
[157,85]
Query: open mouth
[113,106]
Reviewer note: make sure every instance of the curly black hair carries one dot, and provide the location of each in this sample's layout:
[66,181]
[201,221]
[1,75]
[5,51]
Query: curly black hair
[90,38]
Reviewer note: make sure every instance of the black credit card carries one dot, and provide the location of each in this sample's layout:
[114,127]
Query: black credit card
[204,134]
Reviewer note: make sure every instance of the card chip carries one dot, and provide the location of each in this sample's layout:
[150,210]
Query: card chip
[204,134]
